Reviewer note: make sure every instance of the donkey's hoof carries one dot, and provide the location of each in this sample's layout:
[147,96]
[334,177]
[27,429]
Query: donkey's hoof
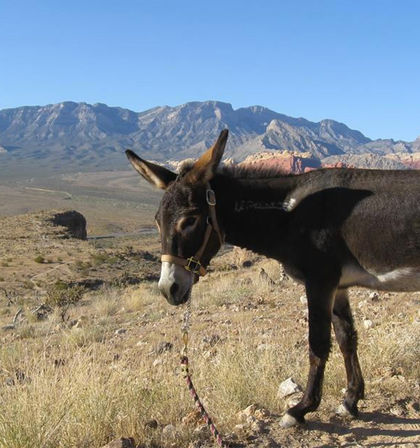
[345,412]
[287,421]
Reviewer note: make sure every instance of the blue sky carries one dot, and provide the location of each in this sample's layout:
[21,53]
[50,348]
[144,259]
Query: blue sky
[357,62]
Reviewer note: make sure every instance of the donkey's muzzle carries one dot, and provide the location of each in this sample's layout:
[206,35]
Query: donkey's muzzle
[175,283]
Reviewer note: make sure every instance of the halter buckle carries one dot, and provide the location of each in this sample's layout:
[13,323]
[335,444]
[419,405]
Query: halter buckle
[193,265]
[210,197]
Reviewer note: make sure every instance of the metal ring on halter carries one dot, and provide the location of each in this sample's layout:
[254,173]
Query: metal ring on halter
[210,197]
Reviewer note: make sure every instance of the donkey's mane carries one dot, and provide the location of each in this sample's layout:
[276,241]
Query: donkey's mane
[246,171]
[254,171]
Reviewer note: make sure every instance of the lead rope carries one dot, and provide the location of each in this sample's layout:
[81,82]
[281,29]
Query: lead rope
[185,369]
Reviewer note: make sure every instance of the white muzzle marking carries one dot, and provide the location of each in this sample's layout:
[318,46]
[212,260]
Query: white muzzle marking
[172,274]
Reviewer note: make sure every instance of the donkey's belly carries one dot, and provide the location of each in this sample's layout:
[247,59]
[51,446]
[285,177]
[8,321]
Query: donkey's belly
[401,279]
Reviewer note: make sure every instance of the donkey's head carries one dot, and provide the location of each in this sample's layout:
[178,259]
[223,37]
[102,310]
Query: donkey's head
[189,232]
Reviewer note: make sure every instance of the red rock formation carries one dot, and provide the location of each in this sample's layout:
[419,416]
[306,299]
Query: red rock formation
[283,162]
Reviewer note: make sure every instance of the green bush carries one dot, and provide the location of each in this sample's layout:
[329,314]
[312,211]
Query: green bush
[62,295]
[39,259]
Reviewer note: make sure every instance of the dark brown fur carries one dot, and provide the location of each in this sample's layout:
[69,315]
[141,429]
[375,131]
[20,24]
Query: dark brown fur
[331,229]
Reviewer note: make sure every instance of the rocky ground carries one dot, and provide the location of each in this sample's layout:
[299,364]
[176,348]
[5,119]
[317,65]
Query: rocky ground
[37,249]
[107,369]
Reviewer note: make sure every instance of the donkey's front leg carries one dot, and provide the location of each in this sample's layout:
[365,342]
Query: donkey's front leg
[320,300]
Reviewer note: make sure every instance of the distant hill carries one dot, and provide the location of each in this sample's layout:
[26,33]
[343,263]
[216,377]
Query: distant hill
[72,136]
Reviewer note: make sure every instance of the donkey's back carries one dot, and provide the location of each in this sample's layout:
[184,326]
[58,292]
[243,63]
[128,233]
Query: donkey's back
[375,215]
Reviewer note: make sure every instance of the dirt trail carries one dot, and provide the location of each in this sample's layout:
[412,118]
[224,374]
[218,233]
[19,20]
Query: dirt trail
[374,428]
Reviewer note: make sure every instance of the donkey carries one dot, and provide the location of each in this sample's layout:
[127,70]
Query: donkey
[330,228]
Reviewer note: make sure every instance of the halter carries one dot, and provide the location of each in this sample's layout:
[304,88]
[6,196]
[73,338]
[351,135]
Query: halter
[193,264]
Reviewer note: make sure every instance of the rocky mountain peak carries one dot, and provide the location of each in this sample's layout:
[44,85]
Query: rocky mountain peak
[94,136]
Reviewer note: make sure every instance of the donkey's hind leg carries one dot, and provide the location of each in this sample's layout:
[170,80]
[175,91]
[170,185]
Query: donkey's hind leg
[346,336]
[320,300]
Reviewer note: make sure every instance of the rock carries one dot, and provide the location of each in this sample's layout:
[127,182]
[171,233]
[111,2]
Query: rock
[252,418]
[266,278]
[121,443]
[262,414]
[169,432]
[374,296]
[73,221]
[240,428]
[194,418]
[367,323]
[255,425]
[211,340]
[157,362]
[303,300]
[151,424]
[293,400]
[8,327]
[247,412]
[283,275]
[283,161]
[397,410]
[344,412]
[288,387]
[287,421]
[120,331]
[164,347]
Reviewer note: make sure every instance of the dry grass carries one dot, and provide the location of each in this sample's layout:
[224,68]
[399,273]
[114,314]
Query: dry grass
[64,387]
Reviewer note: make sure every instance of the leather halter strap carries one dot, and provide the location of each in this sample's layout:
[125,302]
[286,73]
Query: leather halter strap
[193,264]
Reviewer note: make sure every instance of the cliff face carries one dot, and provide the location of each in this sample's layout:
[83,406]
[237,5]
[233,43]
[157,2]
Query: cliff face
[285,161]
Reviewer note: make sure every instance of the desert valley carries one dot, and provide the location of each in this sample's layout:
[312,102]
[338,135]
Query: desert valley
[89,348]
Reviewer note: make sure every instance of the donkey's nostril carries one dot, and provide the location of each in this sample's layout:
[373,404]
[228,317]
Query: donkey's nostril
[174,289]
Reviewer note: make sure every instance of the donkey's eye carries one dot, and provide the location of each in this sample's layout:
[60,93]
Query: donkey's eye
[187,223]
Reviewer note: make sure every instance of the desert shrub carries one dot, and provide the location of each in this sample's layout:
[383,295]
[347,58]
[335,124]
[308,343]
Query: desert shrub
[82,267]
[39,259]
[26,331]
[62,295]
[103,257]
[28,284]
[99,258]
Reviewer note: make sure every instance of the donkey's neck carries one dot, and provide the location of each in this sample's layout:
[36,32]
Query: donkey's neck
[252,212]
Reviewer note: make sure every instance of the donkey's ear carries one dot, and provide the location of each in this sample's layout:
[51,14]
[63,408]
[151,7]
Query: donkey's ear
[155,174]
[205,167]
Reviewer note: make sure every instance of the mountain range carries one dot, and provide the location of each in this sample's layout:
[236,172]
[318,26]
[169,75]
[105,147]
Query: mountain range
[73,136]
